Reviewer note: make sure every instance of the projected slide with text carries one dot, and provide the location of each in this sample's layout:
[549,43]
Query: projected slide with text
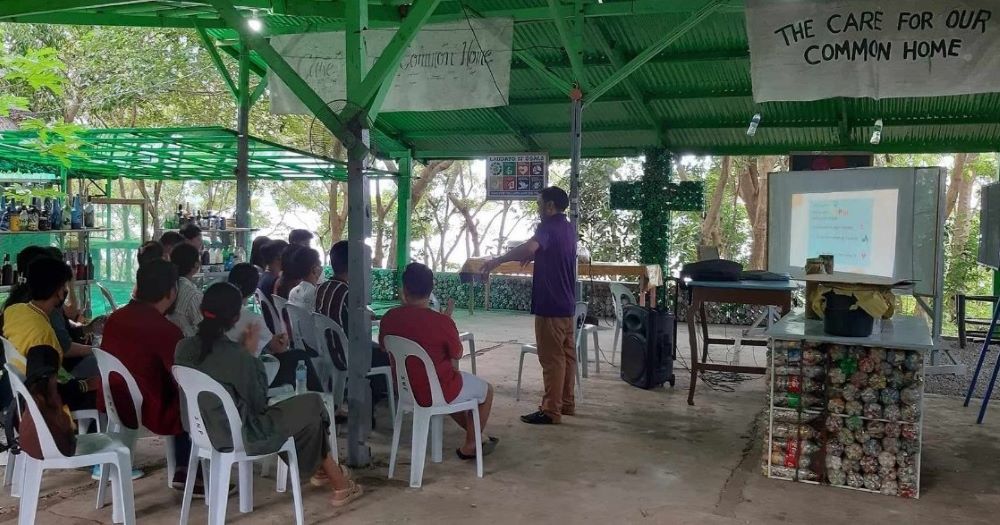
[858,228]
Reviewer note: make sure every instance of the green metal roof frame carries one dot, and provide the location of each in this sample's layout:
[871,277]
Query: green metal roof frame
[673,73]
[202,153]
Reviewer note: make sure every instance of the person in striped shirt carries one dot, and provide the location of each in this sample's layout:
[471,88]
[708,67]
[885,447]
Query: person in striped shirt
[331,301]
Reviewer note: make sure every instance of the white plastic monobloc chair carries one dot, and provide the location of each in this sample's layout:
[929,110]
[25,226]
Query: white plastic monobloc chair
[267,307]
[109,364]
[620,296]
[401,348]
[463,337]
[15,469]
[279,303]
[580,317]
[91,449]
[194,383]
[331,335]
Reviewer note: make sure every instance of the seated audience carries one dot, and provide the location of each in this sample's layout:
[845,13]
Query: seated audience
[169,240]
[256,257]
[331,296]
[331,301]
[291,275]
[244,277]
[142,338]
[186,314]
[437,334]
[306,264]
[272,255]
[29,324]
[265,428]
[41,380]
[300,237]
[192,235]
[151,251]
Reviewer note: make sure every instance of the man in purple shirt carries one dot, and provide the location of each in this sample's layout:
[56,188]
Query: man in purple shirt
[553,303]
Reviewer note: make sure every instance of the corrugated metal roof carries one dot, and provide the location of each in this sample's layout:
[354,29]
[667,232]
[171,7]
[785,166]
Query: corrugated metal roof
[697,90]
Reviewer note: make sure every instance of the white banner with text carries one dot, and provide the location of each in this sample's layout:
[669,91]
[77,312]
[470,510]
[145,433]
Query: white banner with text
[815,49]
[459,65]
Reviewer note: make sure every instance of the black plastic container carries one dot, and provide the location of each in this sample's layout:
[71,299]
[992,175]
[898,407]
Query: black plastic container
[840,319]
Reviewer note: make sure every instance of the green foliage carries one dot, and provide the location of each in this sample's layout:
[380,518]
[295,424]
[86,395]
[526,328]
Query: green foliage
[37,68]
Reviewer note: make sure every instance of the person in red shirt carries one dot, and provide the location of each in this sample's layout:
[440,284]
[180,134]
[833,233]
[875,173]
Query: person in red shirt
[142,338]
[437,334]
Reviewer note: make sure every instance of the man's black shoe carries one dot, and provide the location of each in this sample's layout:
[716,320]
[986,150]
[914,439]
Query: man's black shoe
[538,418]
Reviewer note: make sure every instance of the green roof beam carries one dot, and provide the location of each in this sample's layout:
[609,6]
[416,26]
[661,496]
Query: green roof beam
[289,76]
[213,53]
[553,79]
[258,90]
[504,115]
[385,66]
[36,7]
[102,19]
[570,38]
[633,65]
[636,96]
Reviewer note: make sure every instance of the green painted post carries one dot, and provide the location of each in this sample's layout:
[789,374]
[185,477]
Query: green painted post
[403,215]
[243,146]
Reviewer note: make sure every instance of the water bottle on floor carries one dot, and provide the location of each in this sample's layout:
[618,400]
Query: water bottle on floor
[300,378]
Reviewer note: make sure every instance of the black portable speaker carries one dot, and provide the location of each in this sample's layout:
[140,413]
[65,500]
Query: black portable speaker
[647,347]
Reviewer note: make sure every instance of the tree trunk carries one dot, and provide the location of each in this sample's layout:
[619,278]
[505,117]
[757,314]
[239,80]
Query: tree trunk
[955,183]
[417,190]
[753,193]
[338,210]
[963,210]
[710,234]
[469,215]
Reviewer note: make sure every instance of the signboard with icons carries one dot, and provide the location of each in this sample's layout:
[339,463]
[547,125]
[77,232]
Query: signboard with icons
[520,176]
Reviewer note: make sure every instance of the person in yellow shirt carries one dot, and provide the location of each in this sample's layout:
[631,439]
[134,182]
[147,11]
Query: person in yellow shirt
[27,325]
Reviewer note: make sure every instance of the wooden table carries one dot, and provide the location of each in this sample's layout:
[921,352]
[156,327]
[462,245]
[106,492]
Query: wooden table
[649,275]
[764,293]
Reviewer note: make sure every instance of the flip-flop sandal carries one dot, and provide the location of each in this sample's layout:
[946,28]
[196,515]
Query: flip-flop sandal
[345,496]
[320,478]
[488,447]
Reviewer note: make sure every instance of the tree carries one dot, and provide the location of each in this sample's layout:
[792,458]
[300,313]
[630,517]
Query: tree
[711,234]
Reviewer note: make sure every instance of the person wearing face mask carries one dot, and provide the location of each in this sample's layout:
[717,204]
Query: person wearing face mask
[143,339]
[27,325]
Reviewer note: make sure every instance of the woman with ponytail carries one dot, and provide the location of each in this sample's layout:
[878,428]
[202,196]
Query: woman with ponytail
[265,428]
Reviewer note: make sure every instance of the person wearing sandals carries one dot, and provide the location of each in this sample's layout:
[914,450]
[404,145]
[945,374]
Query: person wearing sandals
[265,428]
[437,334]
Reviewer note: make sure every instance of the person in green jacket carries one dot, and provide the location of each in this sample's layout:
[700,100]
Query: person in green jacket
[265,428]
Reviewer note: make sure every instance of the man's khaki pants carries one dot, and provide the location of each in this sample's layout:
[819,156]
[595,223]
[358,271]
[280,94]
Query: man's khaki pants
[557,355]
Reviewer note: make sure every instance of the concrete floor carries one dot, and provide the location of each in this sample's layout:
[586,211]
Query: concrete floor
[630,456]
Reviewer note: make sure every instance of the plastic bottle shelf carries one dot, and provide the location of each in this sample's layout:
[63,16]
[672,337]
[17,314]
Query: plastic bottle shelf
[55,232]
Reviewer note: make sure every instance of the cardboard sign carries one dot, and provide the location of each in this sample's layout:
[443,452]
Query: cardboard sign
[818,49]
[516,177]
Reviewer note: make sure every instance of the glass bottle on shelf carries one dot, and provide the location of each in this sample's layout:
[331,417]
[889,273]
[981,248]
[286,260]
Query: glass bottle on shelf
[76,214]
[81,267]
[197,219]
[66,215]
[88,213]
[25,221]
[32,223]
[6,272]
[4,214]
[44,219]
[205,260]
[90,267]
[14,219]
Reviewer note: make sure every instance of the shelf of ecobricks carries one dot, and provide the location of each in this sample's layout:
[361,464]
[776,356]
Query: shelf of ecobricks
[847,411]
[54,232]
[87,282]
